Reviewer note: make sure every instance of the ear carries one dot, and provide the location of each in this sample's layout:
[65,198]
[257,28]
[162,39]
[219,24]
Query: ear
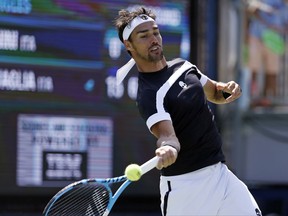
[128,45]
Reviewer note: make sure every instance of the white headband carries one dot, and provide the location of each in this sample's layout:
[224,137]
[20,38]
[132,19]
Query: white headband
[124,70]
[134,23]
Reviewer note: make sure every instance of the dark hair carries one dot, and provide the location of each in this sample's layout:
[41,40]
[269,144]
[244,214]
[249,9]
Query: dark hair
[125,17]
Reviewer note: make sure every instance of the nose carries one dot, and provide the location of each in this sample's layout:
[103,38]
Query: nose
[154,40]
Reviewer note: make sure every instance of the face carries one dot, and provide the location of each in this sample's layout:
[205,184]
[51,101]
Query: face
[146,42]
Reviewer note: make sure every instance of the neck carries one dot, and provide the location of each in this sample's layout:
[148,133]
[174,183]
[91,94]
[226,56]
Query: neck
[149,67]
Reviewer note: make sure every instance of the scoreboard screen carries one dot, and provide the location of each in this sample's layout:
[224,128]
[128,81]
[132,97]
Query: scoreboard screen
[62,116]
[62,148]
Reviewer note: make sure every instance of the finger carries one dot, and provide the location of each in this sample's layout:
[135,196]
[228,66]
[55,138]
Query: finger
[231,86]
[167,155]
[160,152]
[235,88]
[159,165]
[168,159]
[234,96]
[237,91]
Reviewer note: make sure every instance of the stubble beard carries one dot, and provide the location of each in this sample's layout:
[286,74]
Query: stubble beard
[149,57]
[155,58]
[152,58]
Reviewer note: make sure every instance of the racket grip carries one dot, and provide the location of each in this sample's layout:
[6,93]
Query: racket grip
[149,165]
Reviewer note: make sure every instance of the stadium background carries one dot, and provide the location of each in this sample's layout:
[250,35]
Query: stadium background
[62,117]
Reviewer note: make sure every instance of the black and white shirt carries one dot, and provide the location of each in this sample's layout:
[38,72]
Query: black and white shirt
[176,93]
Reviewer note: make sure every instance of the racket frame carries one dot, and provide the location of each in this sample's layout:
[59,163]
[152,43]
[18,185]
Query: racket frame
[149,165]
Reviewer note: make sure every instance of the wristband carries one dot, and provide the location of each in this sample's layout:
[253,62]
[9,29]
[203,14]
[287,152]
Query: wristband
[167,144]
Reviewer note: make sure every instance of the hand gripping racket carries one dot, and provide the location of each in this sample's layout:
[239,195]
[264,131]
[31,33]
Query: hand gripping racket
[90,197]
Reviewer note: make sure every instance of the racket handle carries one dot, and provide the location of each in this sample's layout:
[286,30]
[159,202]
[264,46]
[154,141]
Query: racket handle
[149,165]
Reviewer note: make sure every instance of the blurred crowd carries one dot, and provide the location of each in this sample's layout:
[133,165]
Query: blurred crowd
[266,39]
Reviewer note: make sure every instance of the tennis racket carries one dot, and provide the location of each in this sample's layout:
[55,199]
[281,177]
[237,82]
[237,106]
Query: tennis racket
[90,197]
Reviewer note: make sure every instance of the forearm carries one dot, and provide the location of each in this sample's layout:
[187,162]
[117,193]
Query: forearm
[168,145]
[165,133]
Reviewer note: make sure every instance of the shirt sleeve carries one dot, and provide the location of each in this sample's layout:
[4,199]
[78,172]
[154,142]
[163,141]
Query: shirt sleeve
[202,77]
[148,110]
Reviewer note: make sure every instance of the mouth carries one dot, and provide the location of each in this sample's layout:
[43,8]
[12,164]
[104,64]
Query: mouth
[154,48]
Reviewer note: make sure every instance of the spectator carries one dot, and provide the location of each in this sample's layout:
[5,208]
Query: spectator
[267,28]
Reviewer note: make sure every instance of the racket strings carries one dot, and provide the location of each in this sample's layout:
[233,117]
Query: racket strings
[86,199]
[100,201]
[71,202]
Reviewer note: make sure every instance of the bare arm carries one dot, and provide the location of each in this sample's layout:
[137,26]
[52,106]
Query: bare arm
[167,143]
[214,91]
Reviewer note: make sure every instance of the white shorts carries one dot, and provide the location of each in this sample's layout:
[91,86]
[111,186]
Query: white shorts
[213,190]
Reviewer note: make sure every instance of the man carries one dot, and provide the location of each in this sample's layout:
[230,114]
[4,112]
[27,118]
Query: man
[172,100]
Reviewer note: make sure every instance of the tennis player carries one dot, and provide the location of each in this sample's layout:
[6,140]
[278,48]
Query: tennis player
[172,99]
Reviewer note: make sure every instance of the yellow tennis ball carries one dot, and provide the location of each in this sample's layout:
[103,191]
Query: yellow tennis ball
[133,172]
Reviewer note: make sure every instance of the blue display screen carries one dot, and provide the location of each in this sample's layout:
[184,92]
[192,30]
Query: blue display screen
[58,60]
